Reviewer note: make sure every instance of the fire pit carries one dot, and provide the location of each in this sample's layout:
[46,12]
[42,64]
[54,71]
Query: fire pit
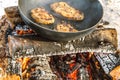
[27,56]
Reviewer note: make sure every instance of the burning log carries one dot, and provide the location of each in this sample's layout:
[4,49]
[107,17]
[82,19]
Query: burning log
[36,68]
[102,64]
[3,54]
[102,40]
[3,72]
[3,27]
[76,69]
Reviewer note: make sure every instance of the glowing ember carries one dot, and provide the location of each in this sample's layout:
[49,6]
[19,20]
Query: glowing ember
[72,67]
[89,72]
[73,75]
[22,32]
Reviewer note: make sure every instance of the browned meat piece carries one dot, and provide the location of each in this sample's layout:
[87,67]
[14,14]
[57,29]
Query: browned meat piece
[40,15]
[67,11]
[64,27]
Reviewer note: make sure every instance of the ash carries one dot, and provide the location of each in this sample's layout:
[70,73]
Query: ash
[43,70]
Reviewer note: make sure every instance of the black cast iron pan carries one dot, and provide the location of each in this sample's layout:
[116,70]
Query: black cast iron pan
[92,10]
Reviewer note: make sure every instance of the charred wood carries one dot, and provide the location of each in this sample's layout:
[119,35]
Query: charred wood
[13,16]
[102,64]
[77,70]
[3,27]
[37,69]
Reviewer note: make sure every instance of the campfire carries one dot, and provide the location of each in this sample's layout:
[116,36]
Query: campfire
[77,66]
[28,57]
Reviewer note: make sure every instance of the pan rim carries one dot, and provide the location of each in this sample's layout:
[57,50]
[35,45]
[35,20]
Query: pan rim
[102,11]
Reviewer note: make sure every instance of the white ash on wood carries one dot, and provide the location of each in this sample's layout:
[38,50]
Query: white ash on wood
[101,40]
[104,64]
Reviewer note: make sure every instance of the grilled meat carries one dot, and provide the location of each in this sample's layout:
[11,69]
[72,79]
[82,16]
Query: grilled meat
[67,11]
[40,15]
[64,27]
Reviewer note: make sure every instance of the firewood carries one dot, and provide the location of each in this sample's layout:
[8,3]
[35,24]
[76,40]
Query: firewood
[13,16]
[105,65]
[102,40]
[97,70]
[3,27]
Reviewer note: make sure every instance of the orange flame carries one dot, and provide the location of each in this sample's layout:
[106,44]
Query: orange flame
[24,62]
[10,77]
[115,73]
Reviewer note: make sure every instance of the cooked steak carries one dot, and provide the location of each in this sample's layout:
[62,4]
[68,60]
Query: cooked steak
[67,11]
[40,15]
[64,27]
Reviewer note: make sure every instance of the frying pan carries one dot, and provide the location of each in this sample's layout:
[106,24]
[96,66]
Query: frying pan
[92,10]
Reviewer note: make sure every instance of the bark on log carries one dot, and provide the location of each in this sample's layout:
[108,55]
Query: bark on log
[13,16]
[102,40]
[3,27]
